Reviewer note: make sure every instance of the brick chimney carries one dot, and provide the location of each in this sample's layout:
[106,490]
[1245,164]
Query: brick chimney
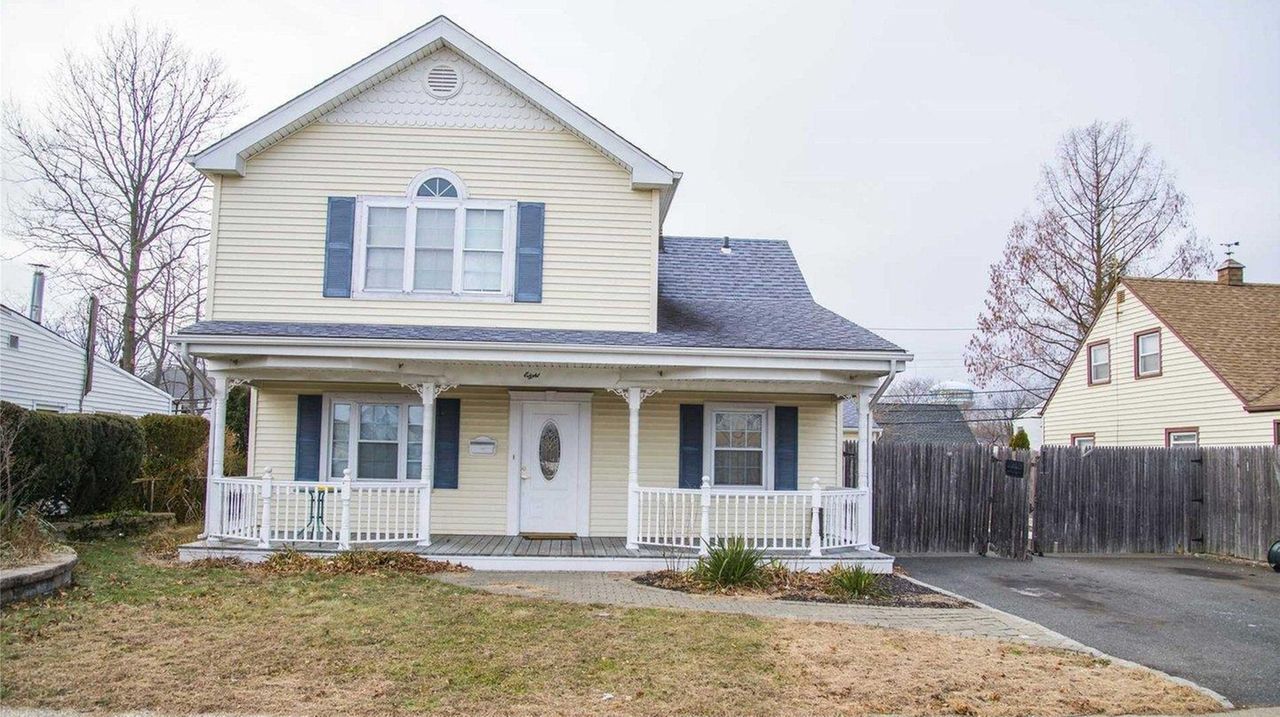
[1231,273]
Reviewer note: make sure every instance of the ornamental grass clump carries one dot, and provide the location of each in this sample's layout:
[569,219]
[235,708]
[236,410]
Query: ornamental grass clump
[856,583]
[730,564]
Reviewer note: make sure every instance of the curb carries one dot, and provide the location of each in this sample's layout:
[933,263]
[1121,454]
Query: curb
[1078,646]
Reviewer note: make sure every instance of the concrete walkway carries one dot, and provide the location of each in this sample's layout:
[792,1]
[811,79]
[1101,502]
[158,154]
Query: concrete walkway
[620,589]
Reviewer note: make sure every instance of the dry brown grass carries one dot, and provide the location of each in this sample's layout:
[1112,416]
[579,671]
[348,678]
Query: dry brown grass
[27,540]
[144,635]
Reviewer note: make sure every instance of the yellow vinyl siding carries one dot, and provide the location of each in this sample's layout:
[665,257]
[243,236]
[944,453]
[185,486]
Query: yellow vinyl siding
[600,244]
[660,441]
[479,504]
[1137,412]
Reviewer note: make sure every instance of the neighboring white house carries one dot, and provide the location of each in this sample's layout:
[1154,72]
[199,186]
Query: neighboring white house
[43,371]
[1032,421]
[432,244]
[1175,363]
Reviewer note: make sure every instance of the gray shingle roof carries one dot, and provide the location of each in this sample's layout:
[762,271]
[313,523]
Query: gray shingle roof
[915,422]
[753,297]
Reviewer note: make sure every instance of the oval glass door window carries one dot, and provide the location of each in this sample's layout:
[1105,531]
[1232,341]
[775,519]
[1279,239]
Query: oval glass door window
[549,450]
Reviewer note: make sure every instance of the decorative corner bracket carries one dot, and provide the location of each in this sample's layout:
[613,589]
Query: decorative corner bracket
[625,393]
[435,388]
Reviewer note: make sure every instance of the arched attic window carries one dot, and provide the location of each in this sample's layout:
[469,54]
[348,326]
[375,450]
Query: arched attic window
[437,184]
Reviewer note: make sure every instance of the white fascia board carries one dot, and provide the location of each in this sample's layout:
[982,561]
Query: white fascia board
[228,155]
[877,362]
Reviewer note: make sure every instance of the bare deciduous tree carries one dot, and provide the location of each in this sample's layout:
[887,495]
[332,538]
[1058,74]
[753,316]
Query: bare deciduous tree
[104,167]
[1106,208]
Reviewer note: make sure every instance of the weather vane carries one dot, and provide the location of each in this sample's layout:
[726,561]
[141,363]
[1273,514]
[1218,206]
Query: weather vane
[1227,246]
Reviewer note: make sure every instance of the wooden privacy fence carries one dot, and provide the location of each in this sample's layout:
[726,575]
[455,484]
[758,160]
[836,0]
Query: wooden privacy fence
[937,498]
[1224,501]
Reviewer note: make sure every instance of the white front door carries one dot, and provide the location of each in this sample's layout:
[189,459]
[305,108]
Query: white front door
[549,465]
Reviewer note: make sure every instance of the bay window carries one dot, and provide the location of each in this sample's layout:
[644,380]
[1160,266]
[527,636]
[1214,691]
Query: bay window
[738,446]
[435,242]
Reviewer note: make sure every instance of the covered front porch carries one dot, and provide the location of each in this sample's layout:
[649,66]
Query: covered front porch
[575,464]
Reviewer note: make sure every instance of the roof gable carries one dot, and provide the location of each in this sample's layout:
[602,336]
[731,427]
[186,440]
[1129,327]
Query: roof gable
[1233,330]
[229,155]
[481,100]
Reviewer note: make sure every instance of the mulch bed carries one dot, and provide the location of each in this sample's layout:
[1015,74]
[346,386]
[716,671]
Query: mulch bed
[353,562]
[805,586]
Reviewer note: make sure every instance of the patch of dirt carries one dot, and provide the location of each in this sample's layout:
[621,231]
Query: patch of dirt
[845,671]
[806,586]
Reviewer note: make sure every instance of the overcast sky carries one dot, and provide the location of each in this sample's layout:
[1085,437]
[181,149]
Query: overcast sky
[893,146]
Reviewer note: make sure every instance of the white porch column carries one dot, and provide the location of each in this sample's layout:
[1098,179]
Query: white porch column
[428,393]
[217,440]
[865,426]
[634,398]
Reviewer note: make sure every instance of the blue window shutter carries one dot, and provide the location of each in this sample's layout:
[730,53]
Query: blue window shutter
[530,223]
[448,424]
[339,236]
[786,427]
[690,445]
[306,452]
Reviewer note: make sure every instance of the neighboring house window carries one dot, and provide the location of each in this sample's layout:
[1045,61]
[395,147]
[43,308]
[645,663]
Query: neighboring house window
[1146,354]
[1082,440]
[1275,429]
[435,242]
[378,439]
[738,440]
[13,341]
[1181,437]
[1099,362]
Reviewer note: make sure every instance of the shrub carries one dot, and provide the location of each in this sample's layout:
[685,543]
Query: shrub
[1020,440]
[854,583]
[173,474]
[74,463]
[730,564]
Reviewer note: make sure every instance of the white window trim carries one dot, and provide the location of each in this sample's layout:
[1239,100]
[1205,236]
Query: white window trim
[1195,435]
[1158,353]
[411,202]
[708,442]
[1092,364]
[402,432]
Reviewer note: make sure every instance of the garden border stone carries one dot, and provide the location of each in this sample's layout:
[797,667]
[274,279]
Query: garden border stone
[30,581]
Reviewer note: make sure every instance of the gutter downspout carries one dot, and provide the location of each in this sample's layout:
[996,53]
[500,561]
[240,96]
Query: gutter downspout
[894,371]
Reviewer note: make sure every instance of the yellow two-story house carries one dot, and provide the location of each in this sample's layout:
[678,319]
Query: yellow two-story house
[1175,363]
[466,334]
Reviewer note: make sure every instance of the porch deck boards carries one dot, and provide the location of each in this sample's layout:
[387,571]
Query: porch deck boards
[458,545]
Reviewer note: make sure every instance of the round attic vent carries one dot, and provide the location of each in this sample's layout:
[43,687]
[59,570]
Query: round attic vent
[443,81]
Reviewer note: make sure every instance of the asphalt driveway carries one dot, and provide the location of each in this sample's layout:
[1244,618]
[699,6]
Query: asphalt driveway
[1214,623]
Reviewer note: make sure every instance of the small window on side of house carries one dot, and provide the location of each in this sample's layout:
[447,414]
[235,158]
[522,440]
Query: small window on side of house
[1083,440]
[13,341]
[1100,362]
[1146,354]
[1182,438]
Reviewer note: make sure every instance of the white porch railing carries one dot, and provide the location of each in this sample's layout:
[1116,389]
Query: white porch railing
[343,514]
[811,521]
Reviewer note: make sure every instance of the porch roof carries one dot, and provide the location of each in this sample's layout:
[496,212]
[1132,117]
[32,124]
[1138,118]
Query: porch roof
[754,297]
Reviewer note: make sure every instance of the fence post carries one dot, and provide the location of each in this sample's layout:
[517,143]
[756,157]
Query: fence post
[264,536]
[815,527]
[344,528]
[704,533]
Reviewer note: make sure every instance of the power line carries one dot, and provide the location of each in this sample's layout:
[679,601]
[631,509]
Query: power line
[922,328]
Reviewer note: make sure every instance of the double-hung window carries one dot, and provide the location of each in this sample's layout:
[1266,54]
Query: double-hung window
[435,242]
[1146,354]
[738,441]
[377,438]
[1099,362]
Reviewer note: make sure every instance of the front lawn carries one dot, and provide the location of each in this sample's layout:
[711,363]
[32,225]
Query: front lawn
[142,633]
